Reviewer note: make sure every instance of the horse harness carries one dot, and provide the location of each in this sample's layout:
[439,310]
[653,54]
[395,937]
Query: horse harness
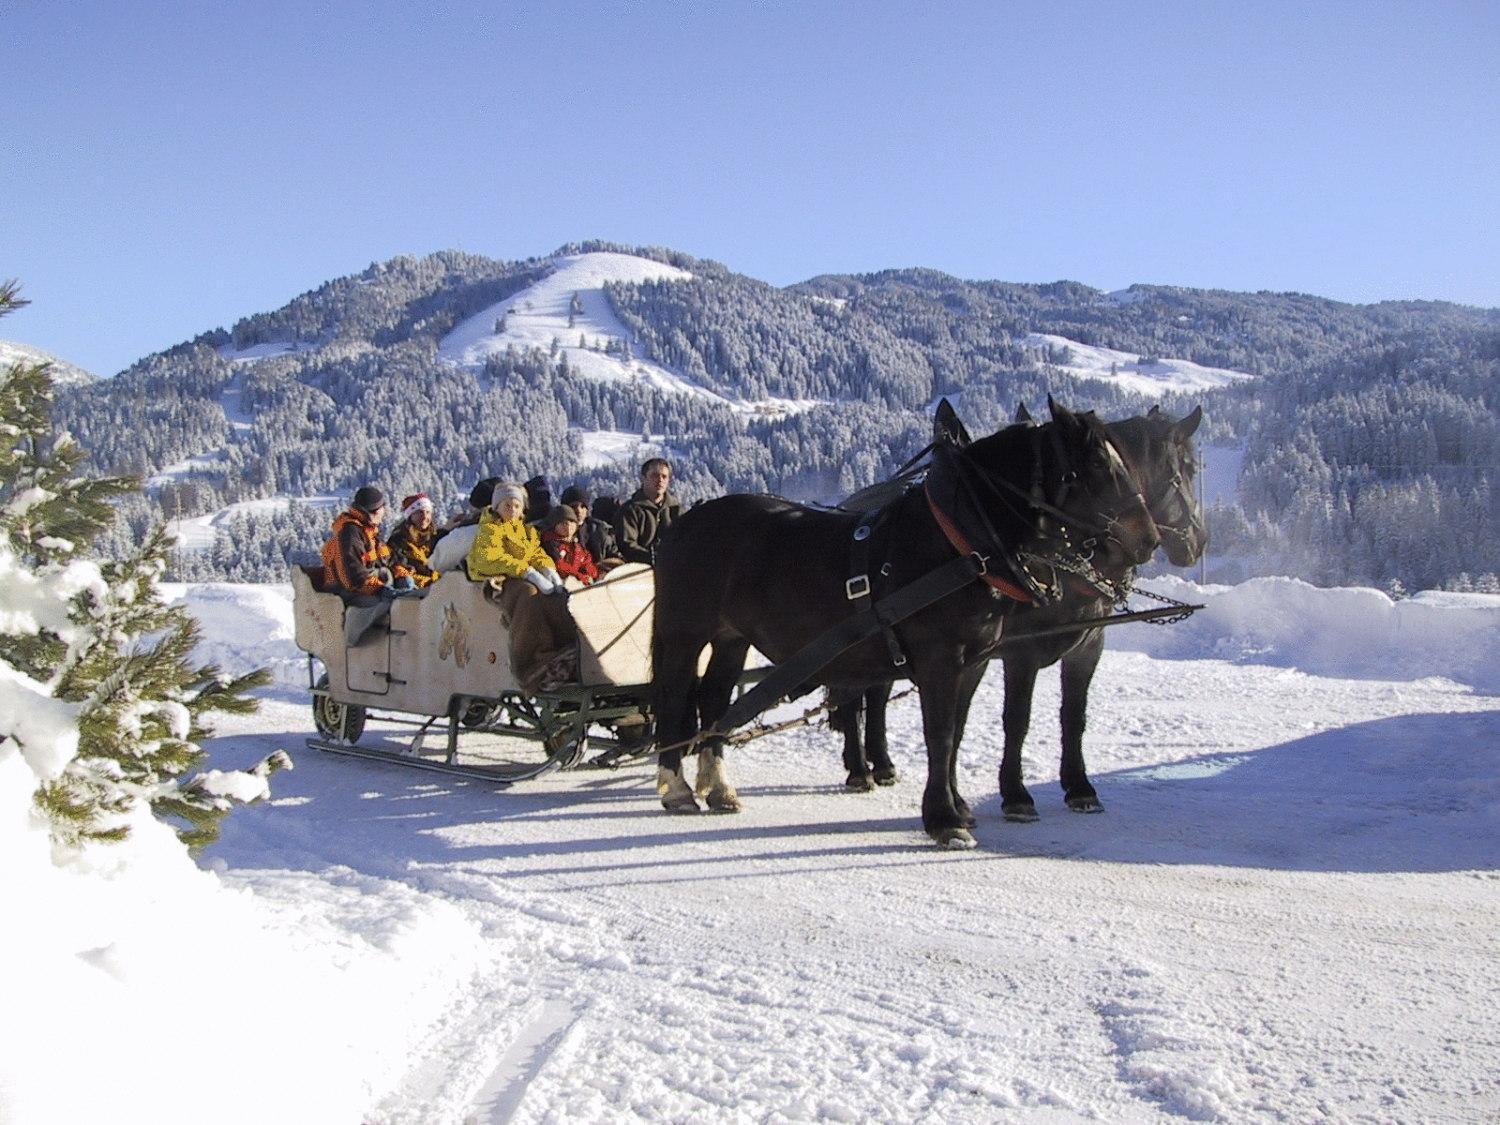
[964,524]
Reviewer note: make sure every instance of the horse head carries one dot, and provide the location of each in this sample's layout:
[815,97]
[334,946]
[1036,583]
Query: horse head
[1101,495]
[1160,450]
[1078,497]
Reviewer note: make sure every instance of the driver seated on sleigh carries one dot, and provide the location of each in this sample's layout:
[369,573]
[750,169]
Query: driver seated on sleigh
[508,554]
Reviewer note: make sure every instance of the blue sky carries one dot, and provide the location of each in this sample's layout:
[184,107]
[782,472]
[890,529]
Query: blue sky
[169,168]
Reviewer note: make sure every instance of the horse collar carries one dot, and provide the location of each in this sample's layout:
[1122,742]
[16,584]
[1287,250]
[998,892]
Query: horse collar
[961,544]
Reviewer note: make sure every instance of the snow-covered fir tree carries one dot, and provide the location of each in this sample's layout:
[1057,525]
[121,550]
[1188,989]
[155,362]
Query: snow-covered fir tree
[99,697]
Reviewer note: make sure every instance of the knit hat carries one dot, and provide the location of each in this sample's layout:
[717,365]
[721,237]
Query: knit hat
[557,515]
[575,495]
[416,502]
[506,490]
[483,492]
[369,498]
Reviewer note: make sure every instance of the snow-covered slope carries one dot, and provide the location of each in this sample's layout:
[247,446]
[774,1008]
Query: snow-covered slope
[1287,913]
[540,316]
[63,372]
[197,533]
[1125,369]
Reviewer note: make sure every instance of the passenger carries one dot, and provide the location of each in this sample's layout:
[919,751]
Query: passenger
[411,542]
[354,558]
[648,513]
[479,500]
[594,533]
[508,553]
[538,499]
[560,540]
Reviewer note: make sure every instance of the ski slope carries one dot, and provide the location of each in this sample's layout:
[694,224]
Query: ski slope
[1288,911]
[542,315]
[1125,369]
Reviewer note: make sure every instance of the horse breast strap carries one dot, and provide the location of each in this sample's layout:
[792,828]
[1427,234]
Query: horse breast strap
[941,490]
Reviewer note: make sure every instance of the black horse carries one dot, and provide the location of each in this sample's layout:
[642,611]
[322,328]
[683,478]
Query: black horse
[756,570]
[1160,453]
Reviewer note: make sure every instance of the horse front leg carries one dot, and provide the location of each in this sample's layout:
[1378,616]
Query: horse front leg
[940,690]
[1077,674]
[1020,682]
[968,685]
[714,692]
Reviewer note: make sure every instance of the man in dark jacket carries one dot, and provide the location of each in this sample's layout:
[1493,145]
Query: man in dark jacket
[648,513]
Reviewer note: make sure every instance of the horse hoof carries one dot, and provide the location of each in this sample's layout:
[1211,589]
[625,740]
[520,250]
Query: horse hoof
[1085,804]
[680,806]
[1020,814]
[857,784]
[887,778]
[723,802]
[956,839]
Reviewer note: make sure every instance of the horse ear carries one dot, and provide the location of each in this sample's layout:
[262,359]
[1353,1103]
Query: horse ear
[1061,413]
[1153,412]
[1189,425]
[947,427]
[1024,415]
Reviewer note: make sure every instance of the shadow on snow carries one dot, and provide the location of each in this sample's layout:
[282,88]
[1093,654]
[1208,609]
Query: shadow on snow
[1414,793]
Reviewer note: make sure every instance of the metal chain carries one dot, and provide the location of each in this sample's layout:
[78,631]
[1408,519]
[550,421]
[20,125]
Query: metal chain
[1174,618]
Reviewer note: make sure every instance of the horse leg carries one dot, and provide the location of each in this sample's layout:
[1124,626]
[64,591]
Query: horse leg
[968,685]
[939,690]
[1020,682]
[876,749]
[845,714]
[1077,673]
[675,671]
[713,695]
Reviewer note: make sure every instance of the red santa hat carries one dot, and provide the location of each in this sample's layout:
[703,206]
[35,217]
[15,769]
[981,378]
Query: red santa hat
[417,502]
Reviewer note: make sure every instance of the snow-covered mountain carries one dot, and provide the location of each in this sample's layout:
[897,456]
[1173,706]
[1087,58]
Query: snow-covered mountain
[427,373]
[1287,912]
[63,373]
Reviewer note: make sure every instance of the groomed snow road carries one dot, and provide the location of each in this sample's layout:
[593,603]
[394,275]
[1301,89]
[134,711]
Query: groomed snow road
[1288,912]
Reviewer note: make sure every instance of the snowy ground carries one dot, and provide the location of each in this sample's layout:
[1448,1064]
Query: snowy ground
[1124,369]
[197,532]
[1287,913]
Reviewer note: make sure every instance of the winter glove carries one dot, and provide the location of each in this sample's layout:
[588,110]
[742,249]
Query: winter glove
[541,579]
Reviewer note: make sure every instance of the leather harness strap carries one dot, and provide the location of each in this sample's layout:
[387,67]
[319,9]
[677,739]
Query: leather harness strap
[961,545]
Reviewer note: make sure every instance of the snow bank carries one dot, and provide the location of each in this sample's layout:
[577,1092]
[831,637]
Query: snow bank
[244,627]
[1347,631]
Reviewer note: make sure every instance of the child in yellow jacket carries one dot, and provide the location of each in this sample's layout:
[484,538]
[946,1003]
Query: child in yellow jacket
[506,549]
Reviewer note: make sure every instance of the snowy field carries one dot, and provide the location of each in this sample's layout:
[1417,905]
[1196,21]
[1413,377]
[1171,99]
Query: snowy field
[1288,912]
[1126,370]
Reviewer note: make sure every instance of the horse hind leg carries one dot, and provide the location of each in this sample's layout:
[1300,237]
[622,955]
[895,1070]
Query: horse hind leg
[713,695]
[876,749]
[845,716]
[675,680]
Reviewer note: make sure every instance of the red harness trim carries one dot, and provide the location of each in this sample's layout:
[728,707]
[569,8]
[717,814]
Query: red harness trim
[961,545]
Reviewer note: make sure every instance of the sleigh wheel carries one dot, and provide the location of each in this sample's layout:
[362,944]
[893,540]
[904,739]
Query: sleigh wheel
[341,722]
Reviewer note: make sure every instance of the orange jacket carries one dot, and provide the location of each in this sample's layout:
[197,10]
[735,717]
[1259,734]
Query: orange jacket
[353,552]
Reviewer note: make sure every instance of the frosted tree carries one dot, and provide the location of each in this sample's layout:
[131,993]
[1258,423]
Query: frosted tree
[98,694]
